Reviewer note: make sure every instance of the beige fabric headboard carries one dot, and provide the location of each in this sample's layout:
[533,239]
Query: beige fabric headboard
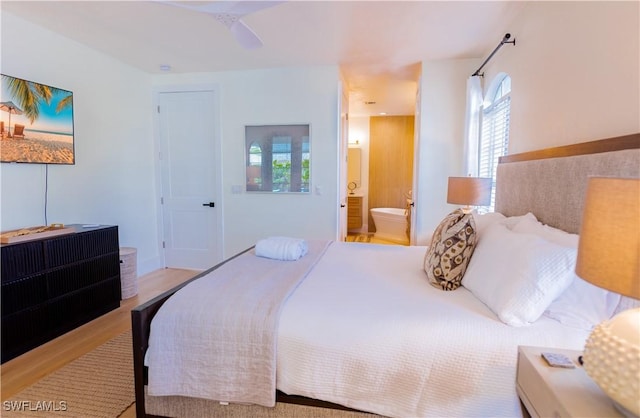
[553,187]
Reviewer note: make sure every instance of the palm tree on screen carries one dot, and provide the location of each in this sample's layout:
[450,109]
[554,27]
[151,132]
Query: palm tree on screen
[29,95]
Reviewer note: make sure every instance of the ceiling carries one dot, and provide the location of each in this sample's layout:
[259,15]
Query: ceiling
[378,45]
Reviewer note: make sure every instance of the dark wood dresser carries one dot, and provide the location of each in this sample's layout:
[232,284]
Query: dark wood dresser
[53,285]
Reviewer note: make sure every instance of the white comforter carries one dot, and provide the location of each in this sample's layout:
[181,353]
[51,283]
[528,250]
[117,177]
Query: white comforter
[366,330]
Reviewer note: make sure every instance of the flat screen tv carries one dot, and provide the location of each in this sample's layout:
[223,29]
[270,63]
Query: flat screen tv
[36,122]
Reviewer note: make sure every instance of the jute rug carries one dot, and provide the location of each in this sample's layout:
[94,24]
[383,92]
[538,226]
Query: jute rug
[98,384]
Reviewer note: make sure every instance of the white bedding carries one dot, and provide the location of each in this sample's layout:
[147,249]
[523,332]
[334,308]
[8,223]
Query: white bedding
[366,330]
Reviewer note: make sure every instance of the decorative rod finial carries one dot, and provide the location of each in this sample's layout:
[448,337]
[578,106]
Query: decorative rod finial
[506,40]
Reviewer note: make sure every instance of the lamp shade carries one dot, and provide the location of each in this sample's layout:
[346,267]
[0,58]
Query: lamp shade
[471,191]
[609,247]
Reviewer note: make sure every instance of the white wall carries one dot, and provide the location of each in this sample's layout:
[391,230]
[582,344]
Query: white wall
[575,73]
[359,130]
[440,151]
[112,181]
[275,96]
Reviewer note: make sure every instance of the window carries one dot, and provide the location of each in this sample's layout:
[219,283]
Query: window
[254,167]
[278,158]
[494,137]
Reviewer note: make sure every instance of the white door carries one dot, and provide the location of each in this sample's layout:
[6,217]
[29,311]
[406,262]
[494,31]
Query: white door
[343,134]
[190,172]
[413,235]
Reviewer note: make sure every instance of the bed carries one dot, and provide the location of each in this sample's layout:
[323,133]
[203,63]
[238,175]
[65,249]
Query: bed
[362,333]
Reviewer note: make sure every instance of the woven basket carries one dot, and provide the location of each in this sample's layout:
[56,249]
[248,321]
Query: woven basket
[128,272]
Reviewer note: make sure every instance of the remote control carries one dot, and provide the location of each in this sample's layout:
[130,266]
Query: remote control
[558,360]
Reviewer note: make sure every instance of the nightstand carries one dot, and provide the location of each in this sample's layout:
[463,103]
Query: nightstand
[556,392]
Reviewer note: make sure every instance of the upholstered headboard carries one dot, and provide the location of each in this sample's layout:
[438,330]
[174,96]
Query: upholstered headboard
[552,183]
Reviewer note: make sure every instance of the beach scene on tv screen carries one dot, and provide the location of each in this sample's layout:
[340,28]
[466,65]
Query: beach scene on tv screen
[36,122]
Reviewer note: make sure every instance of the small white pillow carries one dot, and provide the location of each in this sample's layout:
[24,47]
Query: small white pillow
[518,275]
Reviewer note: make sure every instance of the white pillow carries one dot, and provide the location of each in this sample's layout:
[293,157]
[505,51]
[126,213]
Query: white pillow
[626,303]
[484,220]
[558,236]
[518,275]
[512,221]
[582,305]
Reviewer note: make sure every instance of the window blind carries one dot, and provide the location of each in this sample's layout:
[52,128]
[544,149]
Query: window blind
[494,140]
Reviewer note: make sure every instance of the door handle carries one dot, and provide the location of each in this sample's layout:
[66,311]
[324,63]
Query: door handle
[342,205]
[210,204]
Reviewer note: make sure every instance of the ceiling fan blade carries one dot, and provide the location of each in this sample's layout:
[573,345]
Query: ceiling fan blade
[243,8]
[244,35]
[239,8]
[228,13]
[184,5]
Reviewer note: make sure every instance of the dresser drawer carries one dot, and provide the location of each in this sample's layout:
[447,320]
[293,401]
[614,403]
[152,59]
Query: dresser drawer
[354,212]
[354,202]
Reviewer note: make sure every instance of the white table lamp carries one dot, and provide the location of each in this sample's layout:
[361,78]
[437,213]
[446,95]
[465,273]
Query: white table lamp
[608,257]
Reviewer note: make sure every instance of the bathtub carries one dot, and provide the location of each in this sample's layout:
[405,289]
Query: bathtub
[391,224]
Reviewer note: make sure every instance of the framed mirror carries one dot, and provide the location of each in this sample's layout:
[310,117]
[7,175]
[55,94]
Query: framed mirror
[277,158]
[353,166]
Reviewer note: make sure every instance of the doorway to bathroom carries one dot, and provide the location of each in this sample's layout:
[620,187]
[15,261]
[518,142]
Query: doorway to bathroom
[384,124]
[384,146]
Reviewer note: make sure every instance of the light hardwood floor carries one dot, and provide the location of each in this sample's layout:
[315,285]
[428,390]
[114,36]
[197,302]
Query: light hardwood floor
[32,366]
[370,238]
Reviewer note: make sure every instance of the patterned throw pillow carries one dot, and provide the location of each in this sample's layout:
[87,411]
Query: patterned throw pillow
[450,251]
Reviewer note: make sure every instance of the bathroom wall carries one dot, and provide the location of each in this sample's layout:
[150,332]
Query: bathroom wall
[390,162]
[359,138]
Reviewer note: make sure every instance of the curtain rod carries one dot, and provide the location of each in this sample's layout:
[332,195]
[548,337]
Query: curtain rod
[505,40]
